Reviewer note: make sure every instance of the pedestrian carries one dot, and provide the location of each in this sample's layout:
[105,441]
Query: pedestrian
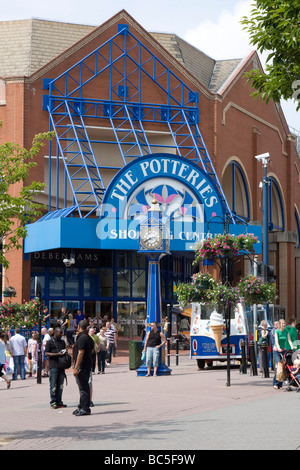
[3,359]
[102,353]
[115,327]
[55,348]
[83,348]
[93,324]
[154,341]
[70,330]
[111,335]
[166,327]
[45,361]
[292,334]
[272,333]
[263,340]
[34,351]
[79,316]
[279,350]
[46,314]
[96,340]
[19,352]
[29,353]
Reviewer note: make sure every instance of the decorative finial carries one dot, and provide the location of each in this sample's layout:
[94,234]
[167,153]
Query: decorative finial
[154,206]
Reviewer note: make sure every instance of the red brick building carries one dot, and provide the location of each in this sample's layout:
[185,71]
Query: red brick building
[234,126]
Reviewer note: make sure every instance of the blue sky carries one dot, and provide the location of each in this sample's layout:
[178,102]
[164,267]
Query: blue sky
[210,25]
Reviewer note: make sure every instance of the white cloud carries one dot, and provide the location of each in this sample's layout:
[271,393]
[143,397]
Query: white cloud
[223,38]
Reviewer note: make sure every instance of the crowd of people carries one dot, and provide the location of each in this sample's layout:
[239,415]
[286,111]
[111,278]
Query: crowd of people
[91,345]
[281,337]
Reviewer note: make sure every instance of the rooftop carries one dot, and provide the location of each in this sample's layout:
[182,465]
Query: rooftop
[28,45]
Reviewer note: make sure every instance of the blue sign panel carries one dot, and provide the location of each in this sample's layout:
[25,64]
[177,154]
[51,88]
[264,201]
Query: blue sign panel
[187,197]
[189,201]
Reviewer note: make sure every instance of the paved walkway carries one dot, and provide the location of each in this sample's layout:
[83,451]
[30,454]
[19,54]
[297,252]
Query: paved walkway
[188,410]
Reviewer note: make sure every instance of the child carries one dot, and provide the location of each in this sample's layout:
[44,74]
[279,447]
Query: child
[296,368]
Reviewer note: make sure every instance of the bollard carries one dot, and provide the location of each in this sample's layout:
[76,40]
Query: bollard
[253,368]
[169,334]
[243,368]
[177,351]
[264,360]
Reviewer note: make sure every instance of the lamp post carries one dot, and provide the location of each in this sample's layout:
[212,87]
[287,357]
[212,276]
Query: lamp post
[264,158]
[38,293]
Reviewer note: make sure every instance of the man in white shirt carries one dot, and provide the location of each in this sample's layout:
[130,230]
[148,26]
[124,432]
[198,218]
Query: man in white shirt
[19,351]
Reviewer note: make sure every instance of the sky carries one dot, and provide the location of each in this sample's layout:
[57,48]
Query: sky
[213,26]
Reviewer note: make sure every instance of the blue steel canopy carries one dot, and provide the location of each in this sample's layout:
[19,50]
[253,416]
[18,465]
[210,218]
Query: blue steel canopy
[126,67]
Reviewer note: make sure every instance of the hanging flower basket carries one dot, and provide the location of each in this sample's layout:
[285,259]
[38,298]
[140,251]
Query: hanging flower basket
[224,246]
[224,297]
[9,292]
[246,242]
[198,290]
[255,291]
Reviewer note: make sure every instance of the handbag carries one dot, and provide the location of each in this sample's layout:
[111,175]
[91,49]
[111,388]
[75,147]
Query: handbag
[65,361]
[143,356]
[280,373]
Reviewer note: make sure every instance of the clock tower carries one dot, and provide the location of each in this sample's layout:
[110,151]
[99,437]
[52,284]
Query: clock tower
[154,243]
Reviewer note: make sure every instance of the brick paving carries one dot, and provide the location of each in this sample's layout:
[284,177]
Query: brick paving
[189,409]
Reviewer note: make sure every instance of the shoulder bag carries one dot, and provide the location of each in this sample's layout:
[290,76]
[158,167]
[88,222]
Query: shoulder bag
[65,361]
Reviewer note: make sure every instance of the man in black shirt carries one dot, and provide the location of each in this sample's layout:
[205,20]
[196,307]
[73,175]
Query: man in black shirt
[83,358]
[53,350]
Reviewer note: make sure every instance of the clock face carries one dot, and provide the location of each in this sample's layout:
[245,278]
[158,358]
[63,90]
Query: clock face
[151,237]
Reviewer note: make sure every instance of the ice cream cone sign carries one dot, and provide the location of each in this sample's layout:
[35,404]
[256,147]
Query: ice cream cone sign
[217,324]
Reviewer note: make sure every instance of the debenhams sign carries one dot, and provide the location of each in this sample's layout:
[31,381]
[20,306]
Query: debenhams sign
[188,198]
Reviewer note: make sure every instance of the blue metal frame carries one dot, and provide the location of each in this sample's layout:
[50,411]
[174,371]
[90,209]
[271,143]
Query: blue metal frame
[128,63]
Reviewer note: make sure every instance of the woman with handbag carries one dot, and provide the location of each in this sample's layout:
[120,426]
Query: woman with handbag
[278,353]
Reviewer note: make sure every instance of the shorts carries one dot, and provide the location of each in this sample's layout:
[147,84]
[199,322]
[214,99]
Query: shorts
[152,356]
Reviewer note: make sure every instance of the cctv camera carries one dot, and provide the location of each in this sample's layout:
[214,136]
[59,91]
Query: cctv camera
[68,262]
[263,157]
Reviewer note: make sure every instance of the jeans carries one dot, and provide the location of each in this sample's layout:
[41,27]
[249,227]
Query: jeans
[109,352]
[19,361]
[152,356]
[101,360]
[82,381]
[56,382]
[278,356]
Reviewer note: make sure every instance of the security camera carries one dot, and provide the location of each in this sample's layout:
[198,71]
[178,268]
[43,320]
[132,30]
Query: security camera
[263,157]
[68,262]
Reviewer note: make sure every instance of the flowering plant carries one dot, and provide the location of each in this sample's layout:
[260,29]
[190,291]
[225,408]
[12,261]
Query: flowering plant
[217,247]
[9,292]
[13,315]
[246,242]
[224,245]
[224,297]
[254,291]
[198,290]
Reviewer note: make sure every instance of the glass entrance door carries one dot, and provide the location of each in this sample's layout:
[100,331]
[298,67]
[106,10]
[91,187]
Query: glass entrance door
[131,319]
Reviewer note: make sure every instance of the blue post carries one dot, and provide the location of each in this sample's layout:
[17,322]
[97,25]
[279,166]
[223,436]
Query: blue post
[154,309]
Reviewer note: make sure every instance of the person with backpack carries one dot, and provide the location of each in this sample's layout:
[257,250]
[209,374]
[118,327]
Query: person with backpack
[55,348]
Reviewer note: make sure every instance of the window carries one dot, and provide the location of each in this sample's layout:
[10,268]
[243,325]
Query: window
[235,190]
[276,215]
[56,282]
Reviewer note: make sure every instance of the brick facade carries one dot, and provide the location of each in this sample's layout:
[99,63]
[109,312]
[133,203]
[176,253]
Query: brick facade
[234,126]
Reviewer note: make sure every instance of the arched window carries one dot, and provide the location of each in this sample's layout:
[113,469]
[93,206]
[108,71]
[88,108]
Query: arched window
[276,214]
[236,191]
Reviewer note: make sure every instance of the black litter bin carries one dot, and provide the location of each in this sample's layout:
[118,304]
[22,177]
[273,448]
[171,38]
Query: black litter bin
[135,354]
